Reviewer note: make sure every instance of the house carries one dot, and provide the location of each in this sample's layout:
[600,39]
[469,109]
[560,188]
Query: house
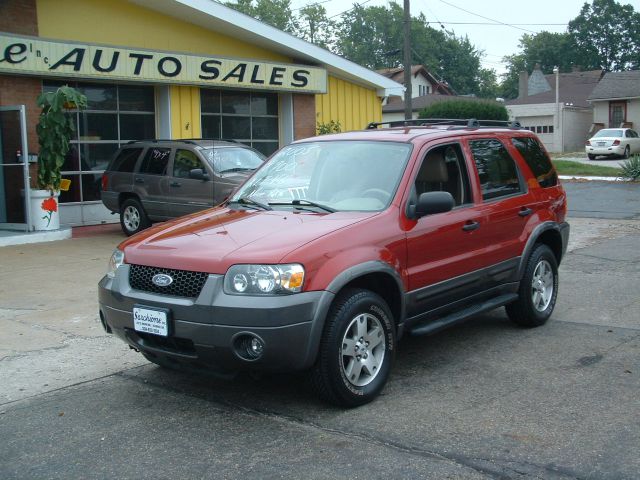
[426,89]
[561,119]
[616,100]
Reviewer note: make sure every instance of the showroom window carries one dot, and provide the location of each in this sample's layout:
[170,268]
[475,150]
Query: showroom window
[247,117]
[115,114]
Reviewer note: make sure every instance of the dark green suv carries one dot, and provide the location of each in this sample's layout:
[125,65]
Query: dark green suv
[155,180]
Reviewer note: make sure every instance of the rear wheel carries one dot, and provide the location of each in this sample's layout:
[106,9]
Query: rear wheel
[133,217]
[356,350]
[538,289]
[627,152]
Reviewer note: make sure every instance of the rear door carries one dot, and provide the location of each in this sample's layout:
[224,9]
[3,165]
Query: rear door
[184,194]
[149,183]
[506,204]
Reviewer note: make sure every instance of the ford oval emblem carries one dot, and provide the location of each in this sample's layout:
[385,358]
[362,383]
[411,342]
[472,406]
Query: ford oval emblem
[162,280]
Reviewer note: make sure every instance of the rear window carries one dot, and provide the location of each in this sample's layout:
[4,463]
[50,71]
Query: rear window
[155,161]
[537,159]
[126,160]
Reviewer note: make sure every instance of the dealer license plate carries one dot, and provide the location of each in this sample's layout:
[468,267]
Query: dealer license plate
[601,144]
[151,320]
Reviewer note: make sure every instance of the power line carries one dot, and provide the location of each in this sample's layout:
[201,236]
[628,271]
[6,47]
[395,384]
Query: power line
[487,18]
[355,5]
[311,5]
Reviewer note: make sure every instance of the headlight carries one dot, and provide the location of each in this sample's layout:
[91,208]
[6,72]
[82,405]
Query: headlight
[264,279]
[115,261]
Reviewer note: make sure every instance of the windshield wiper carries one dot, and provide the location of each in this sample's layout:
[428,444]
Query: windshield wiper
[237,169]
[249,202]
[302,203]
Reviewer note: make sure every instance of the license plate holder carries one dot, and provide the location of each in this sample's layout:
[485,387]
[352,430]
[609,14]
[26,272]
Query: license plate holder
[153,320]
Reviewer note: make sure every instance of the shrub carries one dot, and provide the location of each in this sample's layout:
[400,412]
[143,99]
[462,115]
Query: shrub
[479,109]
[330,127]
[631,168]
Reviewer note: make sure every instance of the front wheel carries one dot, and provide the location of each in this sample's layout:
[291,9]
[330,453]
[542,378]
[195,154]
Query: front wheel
[538,289]
[356,350]
[591,156]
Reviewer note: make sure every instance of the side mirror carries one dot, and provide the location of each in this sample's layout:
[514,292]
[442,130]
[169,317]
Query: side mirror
[198,174]
[434,202]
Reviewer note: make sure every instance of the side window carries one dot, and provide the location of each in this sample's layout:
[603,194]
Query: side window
[537,159]
[496,169]
[155,161]
[443,169]
[634,134]
[184,162]
[126,160]
[628,134]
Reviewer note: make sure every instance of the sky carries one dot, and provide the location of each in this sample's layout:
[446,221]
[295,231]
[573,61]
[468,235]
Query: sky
[489,34]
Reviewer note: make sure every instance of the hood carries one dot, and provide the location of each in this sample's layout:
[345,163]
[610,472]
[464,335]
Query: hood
[213,241]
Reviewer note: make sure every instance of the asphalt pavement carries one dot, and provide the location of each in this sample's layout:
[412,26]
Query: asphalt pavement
[484,400]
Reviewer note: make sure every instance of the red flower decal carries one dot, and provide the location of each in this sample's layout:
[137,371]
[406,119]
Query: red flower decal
[50,205]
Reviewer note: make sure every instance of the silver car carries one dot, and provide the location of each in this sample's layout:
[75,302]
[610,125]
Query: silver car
[155,180]
[613,142]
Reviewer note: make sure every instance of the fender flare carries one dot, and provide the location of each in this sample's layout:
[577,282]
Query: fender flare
[561,229]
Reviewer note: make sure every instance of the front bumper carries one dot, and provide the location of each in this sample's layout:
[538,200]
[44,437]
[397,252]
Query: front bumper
[205,331]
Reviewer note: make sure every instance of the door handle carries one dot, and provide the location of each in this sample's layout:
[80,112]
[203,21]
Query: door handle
[525,211]
[139,180]
[175,184]
[470,226]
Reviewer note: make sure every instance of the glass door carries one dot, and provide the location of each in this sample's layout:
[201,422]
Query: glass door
[14,169]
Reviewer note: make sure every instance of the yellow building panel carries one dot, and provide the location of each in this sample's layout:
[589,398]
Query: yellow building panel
[118,22]
[349,104]
[185,112]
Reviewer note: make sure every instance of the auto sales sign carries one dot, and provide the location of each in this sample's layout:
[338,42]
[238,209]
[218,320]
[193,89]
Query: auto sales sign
[35,56]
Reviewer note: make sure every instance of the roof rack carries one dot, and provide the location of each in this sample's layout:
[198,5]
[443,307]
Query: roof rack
[230,140]
[158,140]
[449,122]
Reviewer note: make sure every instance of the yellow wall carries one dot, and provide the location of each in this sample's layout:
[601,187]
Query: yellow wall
[185,112]
[351,105]
[118,22]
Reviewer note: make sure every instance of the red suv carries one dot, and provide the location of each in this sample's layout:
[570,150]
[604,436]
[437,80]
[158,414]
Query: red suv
[338,246]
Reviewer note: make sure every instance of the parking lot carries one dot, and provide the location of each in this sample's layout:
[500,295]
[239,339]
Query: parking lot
[482,400]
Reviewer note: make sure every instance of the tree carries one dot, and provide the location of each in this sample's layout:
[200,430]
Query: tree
[315,27]
[276,13]
[610,32]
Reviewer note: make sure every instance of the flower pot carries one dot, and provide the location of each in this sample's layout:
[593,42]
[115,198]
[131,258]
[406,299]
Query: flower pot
[44,210]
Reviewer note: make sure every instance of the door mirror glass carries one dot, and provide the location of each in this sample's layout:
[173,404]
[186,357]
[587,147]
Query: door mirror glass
[434,202]
[198,174]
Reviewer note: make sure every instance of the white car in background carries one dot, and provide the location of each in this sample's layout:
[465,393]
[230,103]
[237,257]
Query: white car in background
[613,142]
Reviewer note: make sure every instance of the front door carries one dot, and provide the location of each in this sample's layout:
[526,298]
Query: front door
[14,169]
[188,195]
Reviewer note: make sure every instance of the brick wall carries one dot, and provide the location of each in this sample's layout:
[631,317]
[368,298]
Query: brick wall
[19,16]
[304,116]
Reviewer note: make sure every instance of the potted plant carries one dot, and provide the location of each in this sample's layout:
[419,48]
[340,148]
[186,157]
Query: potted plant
[55,129]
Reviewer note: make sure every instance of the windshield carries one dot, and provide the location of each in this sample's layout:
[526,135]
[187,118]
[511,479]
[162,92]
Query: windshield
[608,132]
[232,159]
[329,176]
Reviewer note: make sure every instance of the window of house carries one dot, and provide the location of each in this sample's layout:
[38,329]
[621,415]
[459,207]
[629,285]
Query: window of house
[115,114]
[247,117]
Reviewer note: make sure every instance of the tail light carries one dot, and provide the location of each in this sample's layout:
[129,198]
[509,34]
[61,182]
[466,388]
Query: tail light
[588,143]
[105,181]
[616,142]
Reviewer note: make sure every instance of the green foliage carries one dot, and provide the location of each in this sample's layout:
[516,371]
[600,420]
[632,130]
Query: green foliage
[327,128]
[578,169]
[608,32]
[631,168]
[480,109]
[55,128]
[315,27]
[276,13]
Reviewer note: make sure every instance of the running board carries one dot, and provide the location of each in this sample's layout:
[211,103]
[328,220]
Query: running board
[461,315]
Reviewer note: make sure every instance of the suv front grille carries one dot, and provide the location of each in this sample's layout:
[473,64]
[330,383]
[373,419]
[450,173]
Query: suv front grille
[185,283]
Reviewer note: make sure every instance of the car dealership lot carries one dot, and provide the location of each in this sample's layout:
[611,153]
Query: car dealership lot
[482,400]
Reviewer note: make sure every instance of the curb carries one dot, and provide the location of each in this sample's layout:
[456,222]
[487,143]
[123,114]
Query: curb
[593,179]
[20,238]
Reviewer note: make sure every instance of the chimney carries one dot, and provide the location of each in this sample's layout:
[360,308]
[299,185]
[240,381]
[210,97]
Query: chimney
[523,84]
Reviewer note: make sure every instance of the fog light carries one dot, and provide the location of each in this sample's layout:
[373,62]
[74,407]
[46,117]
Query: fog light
[248,347]
[257,346]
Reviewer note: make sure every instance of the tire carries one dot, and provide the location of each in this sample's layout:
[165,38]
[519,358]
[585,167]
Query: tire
[538,289]
[133,217]
[627,152]
[348,371]
[591,157]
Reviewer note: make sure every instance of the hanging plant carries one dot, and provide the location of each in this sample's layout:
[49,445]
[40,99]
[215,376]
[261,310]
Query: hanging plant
[55,129]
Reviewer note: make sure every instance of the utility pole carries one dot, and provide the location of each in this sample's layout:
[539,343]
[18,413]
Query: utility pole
[407,62]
